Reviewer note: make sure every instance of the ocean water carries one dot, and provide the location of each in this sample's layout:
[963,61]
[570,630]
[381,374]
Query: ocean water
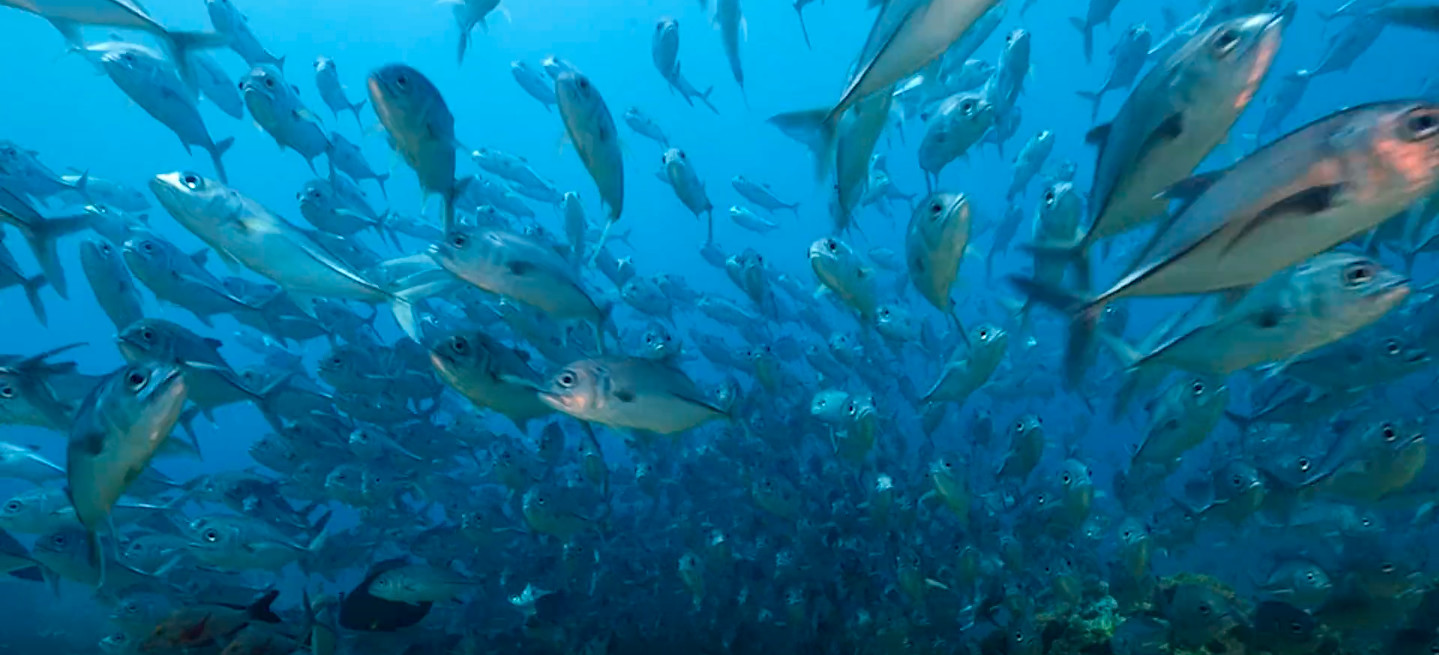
[59,106]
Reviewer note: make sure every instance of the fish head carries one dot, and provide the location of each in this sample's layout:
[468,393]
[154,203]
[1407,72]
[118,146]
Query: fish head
[402,95]
[832,259]
[828,404]
[577,389]
[1232,57]
[460,351]
[146,253]
[149,339]
[265,83]
[667,33]
[144,398]
[68,543]
[675,162]
[316,195]
[575,91]
[194,201]
[1404,139]
[99,254]
[942,221]
[1059,207]
[1235,479]
[467,248]
[323,63]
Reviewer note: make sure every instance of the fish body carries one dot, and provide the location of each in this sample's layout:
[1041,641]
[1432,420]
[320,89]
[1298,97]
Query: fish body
[591,129]
[638,393]
[421,129]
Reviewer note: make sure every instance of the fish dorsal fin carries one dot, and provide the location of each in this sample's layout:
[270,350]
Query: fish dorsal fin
[214,343]
[200,257]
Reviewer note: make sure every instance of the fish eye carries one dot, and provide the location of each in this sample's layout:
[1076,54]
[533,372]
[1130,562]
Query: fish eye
[683,156]
[402,81]
[1304,463]
[1197,387]
[1358,274]
[12,506]
[936,208]
[270,82]
[1386,568]
[1239,481]
[1227,41]
[58,540]
[1391,346]
[584,83]
[1049,198]
[136,379]
[983,334]
[459,344]
[1421,125]
[567,379]
[212,535]
[1389,432]
[7,391]
[1064,478]
[831,245]
[191,180]
[459,240]
[1019,427]
[1295,627]
[1018,637]
[967,107]
[1204,609]
[1309,576]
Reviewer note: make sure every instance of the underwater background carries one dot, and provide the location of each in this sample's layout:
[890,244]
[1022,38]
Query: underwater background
[62,107]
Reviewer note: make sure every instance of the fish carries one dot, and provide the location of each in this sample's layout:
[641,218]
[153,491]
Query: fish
[664,50]
[1223,237]
[731,23]
[627,392]
[246,232]
[327,80]
[905,37]
[421,129]
[489,374]
[761,195]
[230,22]
[1302,308]
[688,187]
[468,14]
[533,83]
[118,429]
[1129,55]
[934,244]
[1098,14]
[591,129]
[840,270]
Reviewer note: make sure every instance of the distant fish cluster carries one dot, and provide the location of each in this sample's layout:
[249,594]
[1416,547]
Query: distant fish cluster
[543,450]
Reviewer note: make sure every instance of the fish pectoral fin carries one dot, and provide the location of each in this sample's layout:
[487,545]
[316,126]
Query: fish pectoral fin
[1188,189]
[1306,202]
[520,267]
[1098,134]
[1167,130]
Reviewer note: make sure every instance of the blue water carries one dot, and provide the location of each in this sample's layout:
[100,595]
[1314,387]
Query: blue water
[75,118]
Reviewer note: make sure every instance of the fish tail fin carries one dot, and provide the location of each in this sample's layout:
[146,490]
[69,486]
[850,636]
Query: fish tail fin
[1083,316]
[1087,32]
[381,179]
[465,28]
[43,237]
[32,293]
[356,108]
[217,152]
[705,98]
[260,609]
[1094,97]
[600,245]
[799,9]
[816,129]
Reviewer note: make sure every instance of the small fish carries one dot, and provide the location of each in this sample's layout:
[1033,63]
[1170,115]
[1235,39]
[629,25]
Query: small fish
[327,80]
[664,50]
[688,187]
[905,37]
[761,195]
[840,270]
[533,83]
